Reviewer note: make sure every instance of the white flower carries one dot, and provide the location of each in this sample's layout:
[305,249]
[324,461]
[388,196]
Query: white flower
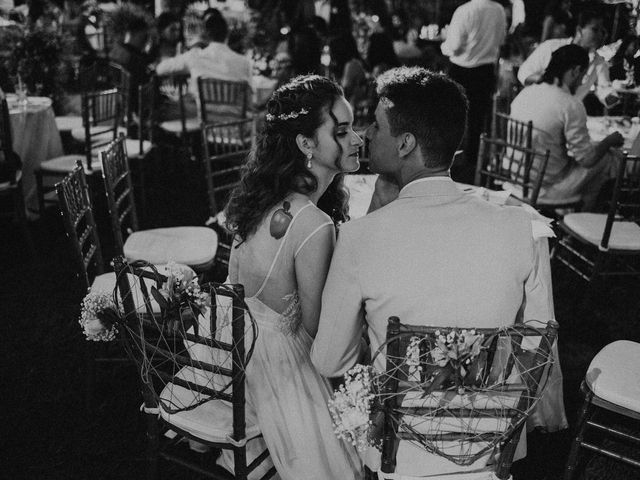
[351,406]
[93,327]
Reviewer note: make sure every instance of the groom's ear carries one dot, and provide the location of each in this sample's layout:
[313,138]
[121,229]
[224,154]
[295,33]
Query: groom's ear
[405,143]
[305,144]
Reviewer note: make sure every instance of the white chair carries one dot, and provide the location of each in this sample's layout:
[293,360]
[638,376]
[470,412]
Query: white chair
[226,147]
[612,383]
[193,380]
[605,244]
[192,246]
[101,121]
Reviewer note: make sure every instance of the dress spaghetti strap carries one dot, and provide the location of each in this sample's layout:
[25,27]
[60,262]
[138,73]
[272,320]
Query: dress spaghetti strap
[275,258]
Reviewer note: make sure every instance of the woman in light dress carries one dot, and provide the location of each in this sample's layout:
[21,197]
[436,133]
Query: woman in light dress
[283,215]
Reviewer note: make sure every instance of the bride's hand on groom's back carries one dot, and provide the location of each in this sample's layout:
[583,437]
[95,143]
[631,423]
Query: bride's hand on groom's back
[386,191]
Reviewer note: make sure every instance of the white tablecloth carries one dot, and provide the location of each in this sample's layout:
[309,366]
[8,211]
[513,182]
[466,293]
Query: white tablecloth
[35,139]
[600,127]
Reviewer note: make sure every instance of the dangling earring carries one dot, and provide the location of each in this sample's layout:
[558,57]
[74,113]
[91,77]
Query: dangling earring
[309,157]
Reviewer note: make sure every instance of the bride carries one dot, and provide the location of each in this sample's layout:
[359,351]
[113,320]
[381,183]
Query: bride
[283,215]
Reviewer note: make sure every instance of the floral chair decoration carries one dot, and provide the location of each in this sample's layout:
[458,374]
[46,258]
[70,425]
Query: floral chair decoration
[451,401]
[192,358]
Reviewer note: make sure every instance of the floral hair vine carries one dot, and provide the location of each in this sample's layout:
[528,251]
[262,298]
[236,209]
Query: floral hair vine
[286,116]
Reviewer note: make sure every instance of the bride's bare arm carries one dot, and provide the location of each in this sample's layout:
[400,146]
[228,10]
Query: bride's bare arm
[311,267]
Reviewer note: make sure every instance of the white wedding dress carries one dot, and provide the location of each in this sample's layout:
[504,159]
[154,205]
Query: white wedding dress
[284,391]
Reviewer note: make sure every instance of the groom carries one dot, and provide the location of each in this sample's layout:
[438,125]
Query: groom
[435,255]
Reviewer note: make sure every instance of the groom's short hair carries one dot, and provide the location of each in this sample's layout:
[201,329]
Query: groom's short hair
[428,105]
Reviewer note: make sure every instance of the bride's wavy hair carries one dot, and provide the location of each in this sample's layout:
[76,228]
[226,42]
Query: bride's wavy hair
[276,166]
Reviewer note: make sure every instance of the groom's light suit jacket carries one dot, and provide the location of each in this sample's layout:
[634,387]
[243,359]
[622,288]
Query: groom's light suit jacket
[435,256]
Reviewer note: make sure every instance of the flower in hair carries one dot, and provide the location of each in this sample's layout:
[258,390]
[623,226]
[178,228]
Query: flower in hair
[286,116]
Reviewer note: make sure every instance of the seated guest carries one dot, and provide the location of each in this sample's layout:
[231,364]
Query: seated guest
[558,20]
[625,65]
[348,67]
[169,37]
[381,55]
[589,35]
[576,166]
[442,245]
[305,48]
[216,60]
[131,55]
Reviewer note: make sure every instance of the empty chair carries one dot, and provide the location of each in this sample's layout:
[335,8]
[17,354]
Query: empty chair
[222,101]
[512,131]
[102,75]
[193,375]
[455,400]
[225,147]
[172,89]
[80,226]
[11,177]
[102,117]
[192,246]
[605,244]
[505,165]
[612,383]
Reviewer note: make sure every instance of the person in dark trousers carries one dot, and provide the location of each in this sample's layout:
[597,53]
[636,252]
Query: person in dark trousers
[476,31]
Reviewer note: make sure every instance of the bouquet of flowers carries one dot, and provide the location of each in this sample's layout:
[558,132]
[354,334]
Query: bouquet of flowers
[99,317]
[452,359]
[350,407]
[181,300]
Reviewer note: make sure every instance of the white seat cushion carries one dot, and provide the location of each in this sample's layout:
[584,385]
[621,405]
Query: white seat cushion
[96,136]
[66,163]
[551,202]
[69,123]
[5,186]
[590,226]
[106,283]
[613,374]
[212,421]
[175,126]
[193,246]
[133,147]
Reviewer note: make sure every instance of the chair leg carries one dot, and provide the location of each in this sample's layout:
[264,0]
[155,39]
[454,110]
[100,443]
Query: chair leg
[90,377]
[240,463]
[21,217]
[40,191]
[584,415]
[153,445]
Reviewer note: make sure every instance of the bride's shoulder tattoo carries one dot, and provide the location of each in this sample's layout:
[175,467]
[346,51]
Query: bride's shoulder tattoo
[280,221]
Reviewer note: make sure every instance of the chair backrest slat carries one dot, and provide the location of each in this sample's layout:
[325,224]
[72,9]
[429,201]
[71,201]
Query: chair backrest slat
[184,363]
[624,205]
[119,189]
[80,226]
[11,160]
[101,118]
[222,99]
[174,87]
[502,164]
[226,147]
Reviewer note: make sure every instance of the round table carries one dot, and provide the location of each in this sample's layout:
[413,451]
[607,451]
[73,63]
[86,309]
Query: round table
[35,139]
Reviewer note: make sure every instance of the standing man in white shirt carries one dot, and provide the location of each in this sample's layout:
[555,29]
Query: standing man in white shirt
[475,34]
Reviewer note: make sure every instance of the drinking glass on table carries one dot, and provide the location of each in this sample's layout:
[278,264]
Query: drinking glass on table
[21,91]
